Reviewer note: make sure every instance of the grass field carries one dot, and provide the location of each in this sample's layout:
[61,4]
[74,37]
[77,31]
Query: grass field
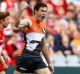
[58,70]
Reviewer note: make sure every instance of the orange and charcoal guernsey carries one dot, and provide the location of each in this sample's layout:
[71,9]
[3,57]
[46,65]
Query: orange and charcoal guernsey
[33,38]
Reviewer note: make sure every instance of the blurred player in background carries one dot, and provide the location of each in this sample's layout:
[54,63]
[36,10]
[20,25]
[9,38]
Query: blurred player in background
[34,29]
[4,20]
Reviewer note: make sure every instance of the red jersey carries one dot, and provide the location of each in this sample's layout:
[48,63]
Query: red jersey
[1,37]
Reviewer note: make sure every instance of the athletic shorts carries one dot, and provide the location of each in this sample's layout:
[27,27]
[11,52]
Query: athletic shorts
[1,68]
[27,64]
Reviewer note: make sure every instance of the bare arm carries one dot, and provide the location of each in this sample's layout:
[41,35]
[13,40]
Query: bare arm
[3,61]
[45,52]
[23,5]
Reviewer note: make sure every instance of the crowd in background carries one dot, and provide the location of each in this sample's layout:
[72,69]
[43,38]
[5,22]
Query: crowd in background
[62,25]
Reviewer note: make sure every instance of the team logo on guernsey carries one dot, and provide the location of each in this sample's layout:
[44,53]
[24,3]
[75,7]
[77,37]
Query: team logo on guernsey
[43,30]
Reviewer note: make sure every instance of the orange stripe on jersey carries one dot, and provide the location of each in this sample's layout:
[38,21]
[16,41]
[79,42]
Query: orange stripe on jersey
[36,27]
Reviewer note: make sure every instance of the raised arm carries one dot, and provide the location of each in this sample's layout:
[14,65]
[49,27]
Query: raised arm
[22,24]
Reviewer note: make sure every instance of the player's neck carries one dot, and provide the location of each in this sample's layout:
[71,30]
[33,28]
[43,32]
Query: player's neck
[39,20]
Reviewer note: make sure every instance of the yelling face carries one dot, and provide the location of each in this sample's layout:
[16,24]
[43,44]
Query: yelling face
[41,13]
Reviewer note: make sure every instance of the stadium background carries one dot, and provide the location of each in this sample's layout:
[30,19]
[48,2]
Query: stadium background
[63,32]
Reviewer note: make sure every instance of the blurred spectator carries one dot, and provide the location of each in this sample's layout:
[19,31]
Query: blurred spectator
[57,45]
[62,37]
[75,43]
[50,39]
[49,5]
[71,22]
[50,21]
[13,6]
[59,4]
[44,1]
[72,8]
[32,3]
[60,11]
[2,5]
[75,2]
[65,42]
[78,21]
[13,45]
[9,5]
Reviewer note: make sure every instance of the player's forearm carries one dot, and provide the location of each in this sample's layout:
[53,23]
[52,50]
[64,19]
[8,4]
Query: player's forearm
[2,61]
[22,6]
[46,55]
[45,51]
[17,19]
[3,53]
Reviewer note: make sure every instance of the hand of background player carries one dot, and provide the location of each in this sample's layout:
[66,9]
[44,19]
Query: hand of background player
[7,58]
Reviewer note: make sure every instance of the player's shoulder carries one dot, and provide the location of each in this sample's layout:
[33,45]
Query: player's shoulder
[32,19]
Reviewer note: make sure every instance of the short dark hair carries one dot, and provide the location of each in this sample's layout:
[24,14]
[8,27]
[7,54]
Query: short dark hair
[3,15]
[38,5]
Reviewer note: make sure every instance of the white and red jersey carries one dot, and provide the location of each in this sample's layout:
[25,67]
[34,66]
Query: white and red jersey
[1,40]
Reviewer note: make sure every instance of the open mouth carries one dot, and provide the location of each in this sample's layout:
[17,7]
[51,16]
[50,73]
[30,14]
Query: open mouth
[43,17]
